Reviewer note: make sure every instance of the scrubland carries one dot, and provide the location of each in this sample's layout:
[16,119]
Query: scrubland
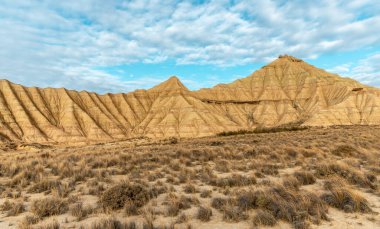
[307,178]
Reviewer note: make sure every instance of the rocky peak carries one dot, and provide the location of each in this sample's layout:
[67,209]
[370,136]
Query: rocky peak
[172,84]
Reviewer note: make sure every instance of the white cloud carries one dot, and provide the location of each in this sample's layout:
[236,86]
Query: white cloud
[366,71]
[341,69]
[53,42]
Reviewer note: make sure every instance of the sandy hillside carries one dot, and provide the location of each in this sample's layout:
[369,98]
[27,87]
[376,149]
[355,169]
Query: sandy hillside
[288,90]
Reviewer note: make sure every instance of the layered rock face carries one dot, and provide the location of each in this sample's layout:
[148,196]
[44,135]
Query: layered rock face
[286,90]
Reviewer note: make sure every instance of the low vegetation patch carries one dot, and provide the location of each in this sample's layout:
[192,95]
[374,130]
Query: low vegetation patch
[12,208]
[294,207]
[347,200]
[261,130]
[264,218]
[233,181]
[116,196]
[250,181]
[44,185]
[346,172]
[204,214]
[49,206]
[112,223]
[80,212]
[305,178]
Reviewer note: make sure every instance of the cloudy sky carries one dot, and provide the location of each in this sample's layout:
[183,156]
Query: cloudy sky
[119,46]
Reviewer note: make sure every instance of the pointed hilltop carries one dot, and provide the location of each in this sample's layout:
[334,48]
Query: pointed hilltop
[287,77]
[172,84]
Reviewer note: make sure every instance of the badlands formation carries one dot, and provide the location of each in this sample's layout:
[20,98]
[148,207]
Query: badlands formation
[288,90]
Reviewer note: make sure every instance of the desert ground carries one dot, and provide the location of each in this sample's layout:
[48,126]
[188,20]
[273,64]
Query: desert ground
[303,178]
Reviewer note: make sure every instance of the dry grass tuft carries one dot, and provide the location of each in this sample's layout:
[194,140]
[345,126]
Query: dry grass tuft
[345,151]
[346,200]
[232,213]
[348,173]
[305,178]
[176,204]
[12,209]
[112,223]
[289,205]
[49,206]
[234,181]
[28,221]
[264,218]
[52,225]
[80,212]
[44,185]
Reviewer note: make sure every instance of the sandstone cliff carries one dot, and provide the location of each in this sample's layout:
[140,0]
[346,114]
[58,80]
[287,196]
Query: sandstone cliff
[286,90]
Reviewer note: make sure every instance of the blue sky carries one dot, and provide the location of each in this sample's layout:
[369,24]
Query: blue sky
[120,46]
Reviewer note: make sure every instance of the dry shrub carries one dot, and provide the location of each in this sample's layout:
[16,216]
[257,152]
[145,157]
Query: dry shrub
[345,151]
[227,207]
[347,200]
[218,203]
[49,206]
[116,196]
[80,212]
[176,204]
[289,205]
[63,190]
[309,153]
[291,152]
[261,130]
[24,178]
[16,209]
[182,218]
[250,152]
[222,166]
[232,213]
[96,190]
[44,185]
[112,223]
[334,182]
[173,140]
[52,225]
[346,172]
[190,188]
[206,194]
[305,178]
[130,208]
[264,218]
[27,221]
[6,206]
[269,169]
[66,170]
[149,217]
[204,214]
[234,181]
[291,182]
[12,209]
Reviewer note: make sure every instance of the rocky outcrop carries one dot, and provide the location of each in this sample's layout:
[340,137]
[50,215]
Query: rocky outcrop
[286,90]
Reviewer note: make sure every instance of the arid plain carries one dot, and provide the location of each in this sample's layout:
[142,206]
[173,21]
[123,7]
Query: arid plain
[299,178]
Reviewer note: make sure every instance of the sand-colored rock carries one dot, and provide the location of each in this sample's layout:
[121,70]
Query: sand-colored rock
[286,90]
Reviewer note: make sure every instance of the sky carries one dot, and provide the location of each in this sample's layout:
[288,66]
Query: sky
[119,46]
